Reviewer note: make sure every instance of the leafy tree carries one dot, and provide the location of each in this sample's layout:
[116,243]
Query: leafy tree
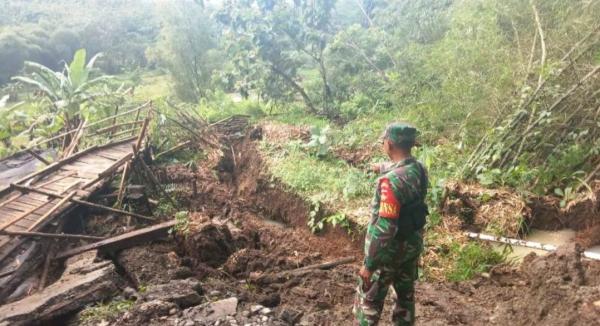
[187,47]
[277,41]
[69,90]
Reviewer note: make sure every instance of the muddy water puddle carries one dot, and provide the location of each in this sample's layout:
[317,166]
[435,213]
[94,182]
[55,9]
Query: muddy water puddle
[556,238]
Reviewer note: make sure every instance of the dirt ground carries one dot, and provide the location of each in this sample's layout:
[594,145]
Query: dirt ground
[247,238]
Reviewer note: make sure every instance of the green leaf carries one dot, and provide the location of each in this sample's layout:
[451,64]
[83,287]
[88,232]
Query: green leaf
[77,70]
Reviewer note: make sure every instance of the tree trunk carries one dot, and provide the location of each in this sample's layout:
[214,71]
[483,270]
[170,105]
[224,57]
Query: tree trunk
[296,87]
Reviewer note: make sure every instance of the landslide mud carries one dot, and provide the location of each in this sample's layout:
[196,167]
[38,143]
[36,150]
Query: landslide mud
[244,225]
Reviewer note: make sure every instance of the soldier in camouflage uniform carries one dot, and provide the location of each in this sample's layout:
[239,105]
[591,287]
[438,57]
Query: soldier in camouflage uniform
[394,239]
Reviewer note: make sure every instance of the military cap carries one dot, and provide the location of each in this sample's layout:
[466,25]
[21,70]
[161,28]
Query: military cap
[401,133]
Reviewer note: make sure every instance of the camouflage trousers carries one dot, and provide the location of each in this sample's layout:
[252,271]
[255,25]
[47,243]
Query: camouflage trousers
[400,272]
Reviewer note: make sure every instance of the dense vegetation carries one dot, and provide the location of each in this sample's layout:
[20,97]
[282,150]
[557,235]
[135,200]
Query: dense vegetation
[504,92]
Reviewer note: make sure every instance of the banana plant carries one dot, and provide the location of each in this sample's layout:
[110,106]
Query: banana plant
[68,90]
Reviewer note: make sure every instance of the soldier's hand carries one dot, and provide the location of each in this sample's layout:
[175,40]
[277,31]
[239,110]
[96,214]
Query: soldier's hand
[365,275]
[376,167]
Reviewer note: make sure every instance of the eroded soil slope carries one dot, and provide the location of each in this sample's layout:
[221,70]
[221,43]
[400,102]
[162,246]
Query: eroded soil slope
[237,262]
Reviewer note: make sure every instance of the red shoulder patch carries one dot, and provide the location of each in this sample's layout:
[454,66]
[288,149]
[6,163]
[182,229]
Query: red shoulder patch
[389,206]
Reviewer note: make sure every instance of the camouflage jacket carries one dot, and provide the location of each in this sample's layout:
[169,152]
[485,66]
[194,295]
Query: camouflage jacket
[401,185]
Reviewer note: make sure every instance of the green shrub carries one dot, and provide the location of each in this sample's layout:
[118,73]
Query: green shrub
[471,259]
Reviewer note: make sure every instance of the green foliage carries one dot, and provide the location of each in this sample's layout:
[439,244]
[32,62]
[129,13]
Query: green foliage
[183,223]
[104,311]
[271,42]
[68,92]
[164,208]
[566,195]
[320,141]
[50,33]
[471,259]
[327,180]
[317,224]
[187,48]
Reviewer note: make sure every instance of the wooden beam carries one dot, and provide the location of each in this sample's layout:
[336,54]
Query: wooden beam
[51,235]
[38,156]
[82,202]
[124,240]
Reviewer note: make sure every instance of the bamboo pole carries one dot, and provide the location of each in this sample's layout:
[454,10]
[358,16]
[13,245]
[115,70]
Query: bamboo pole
[143,106]
[122,185]
[525,243]
[155,181]
[114,122]
[82,202]
[124,132]
[51,235]
[140,138]
[137,116]
[115,126]
[174,148]
[75,140]
[38,156]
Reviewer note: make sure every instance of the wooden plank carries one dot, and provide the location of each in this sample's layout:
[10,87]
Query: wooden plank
[18,217]
[54,166]
[119,153]
[9,213]
[21,225]
[108,156]
[83,167]
[93,159]
[110,170]
[56,207]
[55,177]
[124,240]
[22,206]
[14,211]
[85,203]
[80,174]
[11,199]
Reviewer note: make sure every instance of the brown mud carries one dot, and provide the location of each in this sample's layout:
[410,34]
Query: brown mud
[243,225]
